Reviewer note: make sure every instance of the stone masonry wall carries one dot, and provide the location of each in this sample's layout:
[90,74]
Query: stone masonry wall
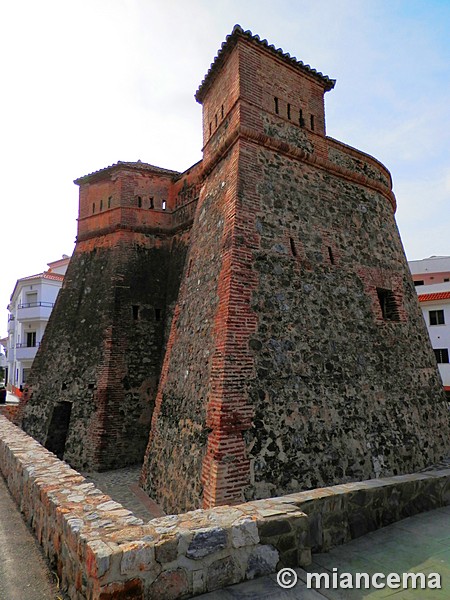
[101,551]
[100,360]
[177,444]
[102,351]
[340,393]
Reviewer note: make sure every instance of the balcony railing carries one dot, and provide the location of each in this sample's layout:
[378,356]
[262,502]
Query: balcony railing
[34,304]
[26,352]
[25,345]
[34,311]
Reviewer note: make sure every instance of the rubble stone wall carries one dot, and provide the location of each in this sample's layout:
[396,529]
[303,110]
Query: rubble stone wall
[112,308]
[341,392]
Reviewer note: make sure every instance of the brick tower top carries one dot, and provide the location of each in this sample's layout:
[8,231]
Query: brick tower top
[256,90]
[231,41]
[124,195]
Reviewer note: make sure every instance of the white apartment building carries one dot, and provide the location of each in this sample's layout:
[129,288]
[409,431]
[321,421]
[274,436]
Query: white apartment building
[3,364]
[432,280]
[29,308]
[429,271]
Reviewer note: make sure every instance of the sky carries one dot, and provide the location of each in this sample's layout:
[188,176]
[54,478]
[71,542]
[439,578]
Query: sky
[85,83]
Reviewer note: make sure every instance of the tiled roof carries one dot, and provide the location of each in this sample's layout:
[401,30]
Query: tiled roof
[229,44]
[434,296]
[137,166]
[55,276]
[44,275]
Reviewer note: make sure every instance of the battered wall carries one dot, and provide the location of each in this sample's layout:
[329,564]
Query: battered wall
[177,444]
[102,351]
[298,356]
[340,394]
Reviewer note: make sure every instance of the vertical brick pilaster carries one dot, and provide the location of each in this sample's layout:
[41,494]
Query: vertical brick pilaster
[226,468]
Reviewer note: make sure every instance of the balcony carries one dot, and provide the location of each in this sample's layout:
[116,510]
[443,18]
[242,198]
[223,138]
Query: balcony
[34,311]
[11,324]
[24,352]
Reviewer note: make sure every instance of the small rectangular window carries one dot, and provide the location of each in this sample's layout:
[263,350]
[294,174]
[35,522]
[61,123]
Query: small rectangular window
[419,282]
[293,248]
[388,305]
[301,120]
[312,122]
[158,314]
[436,317]
[330,255]
[276,105]
[441,355]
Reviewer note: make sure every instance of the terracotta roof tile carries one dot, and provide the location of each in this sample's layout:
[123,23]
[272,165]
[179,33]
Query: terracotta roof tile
[136,166]
[230,42]
[54,276]
[434,296]
[44,275]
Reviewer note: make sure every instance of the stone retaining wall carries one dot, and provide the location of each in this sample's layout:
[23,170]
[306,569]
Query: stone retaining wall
[102,551]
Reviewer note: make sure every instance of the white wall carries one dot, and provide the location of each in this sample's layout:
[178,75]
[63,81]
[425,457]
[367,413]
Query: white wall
[439,334]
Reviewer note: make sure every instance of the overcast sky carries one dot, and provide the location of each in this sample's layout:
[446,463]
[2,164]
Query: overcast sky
[85,83]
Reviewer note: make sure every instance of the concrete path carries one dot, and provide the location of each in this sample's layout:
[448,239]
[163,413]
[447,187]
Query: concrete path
[24,572]
[420,544]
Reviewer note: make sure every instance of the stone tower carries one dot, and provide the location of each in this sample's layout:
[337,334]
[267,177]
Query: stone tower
[258,309]
[92,388]
[297,356]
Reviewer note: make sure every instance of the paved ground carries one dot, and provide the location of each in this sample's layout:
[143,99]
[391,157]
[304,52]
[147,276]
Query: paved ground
[420,544]
[24,573]
[122,485]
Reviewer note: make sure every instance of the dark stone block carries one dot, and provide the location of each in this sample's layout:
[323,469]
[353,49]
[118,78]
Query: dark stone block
[207,542]
[361,523]
[221,573]
[274,527]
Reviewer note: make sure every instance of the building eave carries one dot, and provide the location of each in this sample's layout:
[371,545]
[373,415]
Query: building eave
[231,41]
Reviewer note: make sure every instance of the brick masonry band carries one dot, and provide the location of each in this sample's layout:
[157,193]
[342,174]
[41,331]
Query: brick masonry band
[101,551]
